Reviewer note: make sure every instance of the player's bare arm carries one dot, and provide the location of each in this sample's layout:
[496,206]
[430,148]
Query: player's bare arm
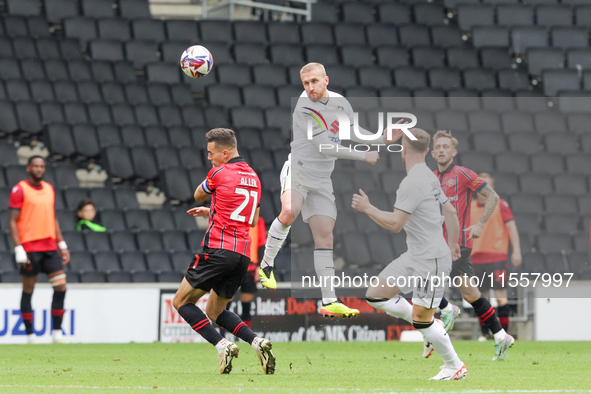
[516,257]
[199,211]
[61,243]
[255,219]
[20,256]
[492,199]
[452,224]
[200,193]
[396,133]
[393,221]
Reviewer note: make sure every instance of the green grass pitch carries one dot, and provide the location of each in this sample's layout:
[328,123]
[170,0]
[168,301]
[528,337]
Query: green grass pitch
[301,368]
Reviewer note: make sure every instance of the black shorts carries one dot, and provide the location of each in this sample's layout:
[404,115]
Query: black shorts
[499,271]
[463,265]
[45,262]
[217,269]
[248,284]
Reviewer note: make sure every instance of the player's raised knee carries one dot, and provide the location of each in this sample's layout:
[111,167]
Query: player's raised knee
[285,216]
[178,301]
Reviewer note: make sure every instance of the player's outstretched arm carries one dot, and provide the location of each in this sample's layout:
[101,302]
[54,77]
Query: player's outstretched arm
[393,221]
[452,225]
[199,211]
[396,133]
[492,199]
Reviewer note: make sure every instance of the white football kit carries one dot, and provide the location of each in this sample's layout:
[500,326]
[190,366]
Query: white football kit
[428,254]
[307,169]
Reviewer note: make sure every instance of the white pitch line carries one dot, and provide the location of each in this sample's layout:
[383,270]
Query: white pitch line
[299,389]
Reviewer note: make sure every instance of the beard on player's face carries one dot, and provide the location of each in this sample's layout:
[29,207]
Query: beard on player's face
[317,94]
[37,177]
[36,172]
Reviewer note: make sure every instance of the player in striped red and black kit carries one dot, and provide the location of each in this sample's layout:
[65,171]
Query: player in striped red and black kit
[38,244]
[235,191]
[459,185]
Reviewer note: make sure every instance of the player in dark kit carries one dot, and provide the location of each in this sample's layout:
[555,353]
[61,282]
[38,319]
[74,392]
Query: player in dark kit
[460,184]
[235,191]
[38,244]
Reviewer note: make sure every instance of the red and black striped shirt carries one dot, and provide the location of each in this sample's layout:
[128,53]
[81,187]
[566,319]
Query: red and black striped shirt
[235,195]
[459,184]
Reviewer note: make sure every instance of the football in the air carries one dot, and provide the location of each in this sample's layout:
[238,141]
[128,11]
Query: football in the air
[196,61]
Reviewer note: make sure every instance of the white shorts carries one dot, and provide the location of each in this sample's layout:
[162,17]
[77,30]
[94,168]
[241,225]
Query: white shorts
[317,192]
[416,276]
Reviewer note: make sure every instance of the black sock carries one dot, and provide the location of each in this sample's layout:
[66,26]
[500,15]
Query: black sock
[484,329]
[222,329]
[27,312]
[57,309]
[443,303]
[504,316]
[486,314]
[231,322]
[200,323]
[245,312]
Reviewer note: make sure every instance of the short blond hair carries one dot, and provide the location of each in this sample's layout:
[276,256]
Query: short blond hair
[421,144]
[313,66]
[445,134]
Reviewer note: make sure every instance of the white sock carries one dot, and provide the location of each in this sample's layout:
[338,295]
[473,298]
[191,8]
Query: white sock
[500,336]
[220,345]
[31,337]
[255,343]
[275,238]
[447,309]
[324,266]
[57,334]
[396,307]
[442,344]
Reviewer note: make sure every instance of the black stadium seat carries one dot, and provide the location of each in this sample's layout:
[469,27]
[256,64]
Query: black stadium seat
[148,240]
[81,28]
[148,29]
[24,7]
[134,9]
[98,8]
[123,241]
[97,242]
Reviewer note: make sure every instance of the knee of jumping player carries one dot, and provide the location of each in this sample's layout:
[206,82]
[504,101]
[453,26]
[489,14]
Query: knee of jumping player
[324,241]
[285,217]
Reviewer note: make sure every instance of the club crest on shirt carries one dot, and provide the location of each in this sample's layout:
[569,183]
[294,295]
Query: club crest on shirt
[341,108]
[451,183]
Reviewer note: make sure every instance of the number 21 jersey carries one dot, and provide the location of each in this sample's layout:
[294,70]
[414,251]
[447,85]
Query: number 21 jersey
[235,195]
